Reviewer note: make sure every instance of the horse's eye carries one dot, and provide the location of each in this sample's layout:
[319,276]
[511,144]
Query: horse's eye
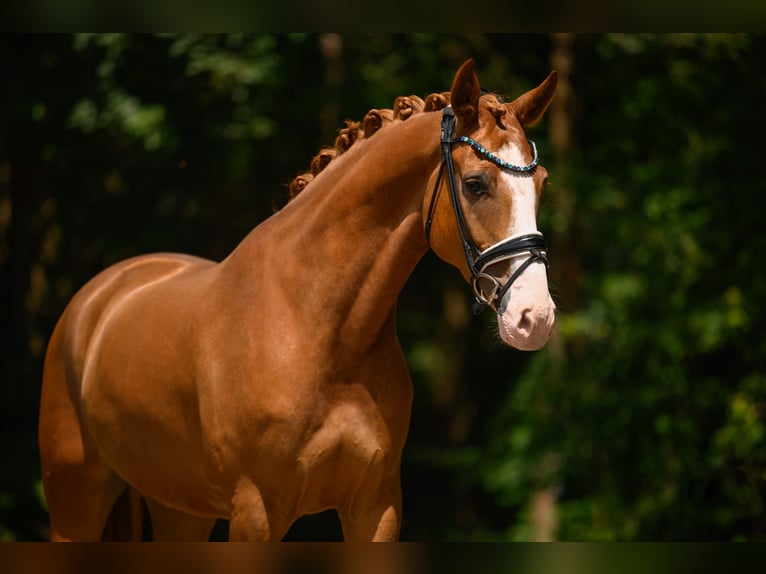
[475,186]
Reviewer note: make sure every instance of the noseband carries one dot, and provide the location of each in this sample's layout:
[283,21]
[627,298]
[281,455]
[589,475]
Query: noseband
[478,261]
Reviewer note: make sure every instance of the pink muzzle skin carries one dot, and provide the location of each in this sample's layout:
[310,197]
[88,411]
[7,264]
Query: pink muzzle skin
[526,314]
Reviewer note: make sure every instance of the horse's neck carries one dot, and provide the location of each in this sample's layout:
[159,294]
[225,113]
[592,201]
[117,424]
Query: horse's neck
[344,248]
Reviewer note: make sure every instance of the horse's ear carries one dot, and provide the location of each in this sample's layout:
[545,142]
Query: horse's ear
[465,93]
[530,107]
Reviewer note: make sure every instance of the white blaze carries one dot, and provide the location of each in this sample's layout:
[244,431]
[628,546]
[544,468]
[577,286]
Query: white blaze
[524,198]
[526,314]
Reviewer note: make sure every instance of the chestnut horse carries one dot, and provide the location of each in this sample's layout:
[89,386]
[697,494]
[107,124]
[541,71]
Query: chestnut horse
[271,385]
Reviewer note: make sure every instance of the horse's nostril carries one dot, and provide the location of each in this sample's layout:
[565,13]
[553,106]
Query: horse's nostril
[525,323]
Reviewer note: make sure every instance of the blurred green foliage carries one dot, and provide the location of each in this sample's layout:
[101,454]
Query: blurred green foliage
[643,419]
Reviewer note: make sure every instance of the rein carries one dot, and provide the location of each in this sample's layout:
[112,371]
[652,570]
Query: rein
[479,260]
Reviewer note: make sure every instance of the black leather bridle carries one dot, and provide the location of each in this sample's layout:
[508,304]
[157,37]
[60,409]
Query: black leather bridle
[479,260]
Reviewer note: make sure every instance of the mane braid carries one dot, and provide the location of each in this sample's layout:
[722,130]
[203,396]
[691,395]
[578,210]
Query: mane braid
[348,136]
[299,183]
[323,159]
[376,119]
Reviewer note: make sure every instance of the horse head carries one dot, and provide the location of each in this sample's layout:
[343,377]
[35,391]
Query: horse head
[480,212]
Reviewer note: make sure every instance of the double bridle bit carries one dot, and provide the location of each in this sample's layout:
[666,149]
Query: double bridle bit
[479,260]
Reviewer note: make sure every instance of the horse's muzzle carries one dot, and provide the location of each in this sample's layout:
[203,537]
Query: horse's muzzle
[527,313]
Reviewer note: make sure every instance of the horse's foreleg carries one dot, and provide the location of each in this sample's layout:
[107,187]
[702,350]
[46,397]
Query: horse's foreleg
[169,525]
[375,520]
[252,520]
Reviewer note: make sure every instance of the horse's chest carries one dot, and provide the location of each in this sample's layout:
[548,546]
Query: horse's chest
[354,433]
[350,448]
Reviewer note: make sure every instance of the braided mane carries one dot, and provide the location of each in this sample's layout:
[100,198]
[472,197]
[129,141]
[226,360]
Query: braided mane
[376,119]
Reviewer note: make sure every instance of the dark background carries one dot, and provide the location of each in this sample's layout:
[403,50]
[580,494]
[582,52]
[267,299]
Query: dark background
[643,419]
